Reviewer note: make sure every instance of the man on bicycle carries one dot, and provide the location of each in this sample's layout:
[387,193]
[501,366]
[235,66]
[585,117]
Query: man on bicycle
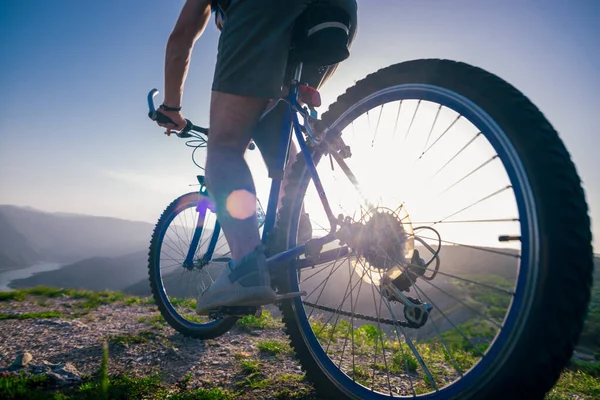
[251,64]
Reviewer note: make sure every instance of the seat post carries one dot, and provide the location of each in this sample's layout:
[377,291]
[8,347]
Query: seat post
[297,73]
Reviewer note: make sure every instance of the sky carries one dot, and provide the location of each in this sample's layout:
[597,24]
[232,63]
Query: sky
[75,137]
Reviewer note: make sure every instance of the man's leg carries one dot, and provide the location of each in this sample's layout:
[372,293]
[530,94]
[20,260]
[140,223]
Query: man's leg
[253,49]
[228,177]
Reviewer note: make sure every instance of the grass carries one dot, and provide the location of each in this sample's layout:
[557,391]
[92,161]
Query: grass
[360,374]
[273,347]
[101,386]
[90,299]
[266,321]
[44,314]
[24,387]
[127,339]
[250,366]
[186,303]
[287,394]
[592,369]
[156,321]
[575,382]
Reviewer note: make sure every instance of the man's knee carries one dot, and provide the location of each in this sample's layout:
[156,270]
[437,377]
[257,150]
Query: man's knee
[232,118]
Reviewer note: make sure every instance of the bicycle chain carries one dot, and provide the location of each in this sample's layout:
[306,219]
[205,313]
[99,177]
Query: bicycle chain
[404,324]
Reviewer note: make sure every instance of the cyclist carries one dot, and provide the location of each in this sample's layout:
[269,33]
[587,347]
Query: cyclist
[253,51]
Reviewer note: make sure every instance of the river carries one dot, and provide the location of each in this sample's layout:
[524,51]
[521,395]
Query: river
[6,277]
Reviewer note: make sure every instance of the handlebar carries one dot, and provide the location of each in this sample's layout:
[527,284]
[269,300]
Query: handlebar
[184,133]
[159,117]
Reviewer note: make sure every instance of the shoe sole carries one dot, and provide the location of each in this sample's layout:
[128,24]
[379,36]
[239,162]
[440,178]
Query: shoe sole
[251,296]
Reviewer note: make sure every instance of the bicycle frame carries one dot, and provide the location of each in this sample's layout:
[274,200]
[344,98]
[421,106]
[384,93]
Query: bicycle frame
[291,124]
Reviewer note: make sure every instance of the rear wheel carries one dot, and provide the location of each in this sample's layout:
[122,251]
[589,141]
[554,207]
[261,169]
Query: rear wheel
[175,284]
[449,163]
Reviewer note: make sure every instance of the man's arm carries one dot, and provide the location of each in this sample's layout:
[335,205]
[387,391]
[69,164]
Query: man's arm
[191,23]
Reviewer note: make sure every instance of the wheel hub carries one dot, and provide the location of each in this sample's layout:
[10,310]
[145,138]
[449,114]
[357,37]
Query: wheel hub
[382,239]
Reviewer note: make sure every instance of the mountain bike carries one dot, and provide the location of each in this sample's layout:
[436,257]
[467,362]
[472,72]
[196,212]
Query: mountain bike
[451,253]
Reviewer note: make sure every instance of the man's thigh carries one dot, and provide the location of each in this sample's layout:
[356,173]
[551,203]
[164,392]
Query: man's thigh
[254,46]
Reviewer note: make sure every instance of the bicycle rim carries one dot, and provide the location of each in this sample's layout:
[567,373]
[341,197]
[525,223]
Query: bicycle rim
[443,129]
[179,285]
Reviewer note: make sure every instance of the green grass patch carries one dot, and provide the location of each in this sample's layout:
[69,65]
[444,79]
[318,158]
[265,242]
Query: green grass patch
[473,336]
[204,394]
[123,387]
[250,366]
[273,346]
[592,369]
[90,298]
[127,339]
[360,374]
[266,321]
[155,321]
[16,295]
[24,387]
[293,394]
[290,378]
[575,382]
[404,360]
[488,301]
[255,380]
[186,303]
[44,314]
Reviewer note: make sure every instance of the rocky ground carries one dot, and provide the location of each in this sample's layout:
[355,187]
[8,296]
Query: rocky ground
[52,345]
[245,362]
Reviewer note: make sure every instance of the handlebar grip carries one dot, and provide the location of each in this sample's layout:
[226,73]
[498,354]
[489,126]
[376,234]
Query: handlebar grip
[161,118]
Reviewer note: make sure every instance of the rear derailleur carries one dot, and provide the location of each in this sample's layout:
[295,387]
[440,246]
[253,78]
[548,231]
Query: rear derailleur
[397,280]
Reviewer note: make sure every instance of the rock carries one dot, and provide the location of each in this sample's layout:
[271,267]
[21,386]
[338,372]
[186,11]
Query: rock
[22,360]
[64,374]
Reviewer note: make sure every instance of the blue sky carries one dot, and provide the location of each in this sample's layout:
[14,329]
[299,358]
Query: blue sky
[74,135]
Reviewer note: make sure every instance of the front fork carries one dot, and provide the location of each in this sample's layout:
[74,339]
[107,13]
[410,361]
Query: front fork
[204,205]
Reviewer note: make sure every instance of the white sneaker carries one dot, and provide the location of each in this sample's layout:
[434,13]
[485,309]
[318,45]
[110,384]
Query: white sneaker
[243,283]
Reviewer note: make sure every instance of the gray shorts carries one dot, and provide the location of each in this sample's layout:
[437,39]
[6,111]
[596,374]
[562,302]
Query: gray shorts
[255,44]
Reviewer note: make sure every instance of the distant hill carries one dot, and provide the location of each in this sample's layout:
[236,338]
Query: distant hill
[28,236]
[97,273]
[15,249]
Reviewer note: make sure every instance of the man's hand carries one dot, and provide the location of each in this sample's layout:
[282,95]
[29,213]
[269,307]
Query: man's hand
[178,121]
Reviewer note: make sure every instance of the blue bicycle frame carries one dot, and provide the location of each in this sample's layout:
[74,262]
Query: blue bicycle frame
[290,122]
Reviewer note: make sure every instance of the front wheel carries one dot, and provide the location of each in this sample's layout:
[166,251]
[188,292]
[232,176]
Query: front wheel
[177,276]
[448,163]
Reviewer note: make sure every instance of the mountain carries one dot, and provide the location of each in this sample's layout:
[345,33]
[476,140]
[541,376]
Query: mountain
[15,249]
[97,273]
[29,236]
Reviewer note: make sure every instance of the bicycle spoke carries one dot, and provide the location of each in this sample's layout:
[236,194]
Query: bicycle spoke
[478,134]
[411,121]
[437,114]
[475,203]
[397,118]
[466,176]
[468,221]
[441,136]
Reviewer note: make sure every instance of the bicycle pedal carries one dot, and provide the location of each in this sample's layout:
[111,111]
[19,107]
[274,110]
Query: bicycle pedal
[290,295]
